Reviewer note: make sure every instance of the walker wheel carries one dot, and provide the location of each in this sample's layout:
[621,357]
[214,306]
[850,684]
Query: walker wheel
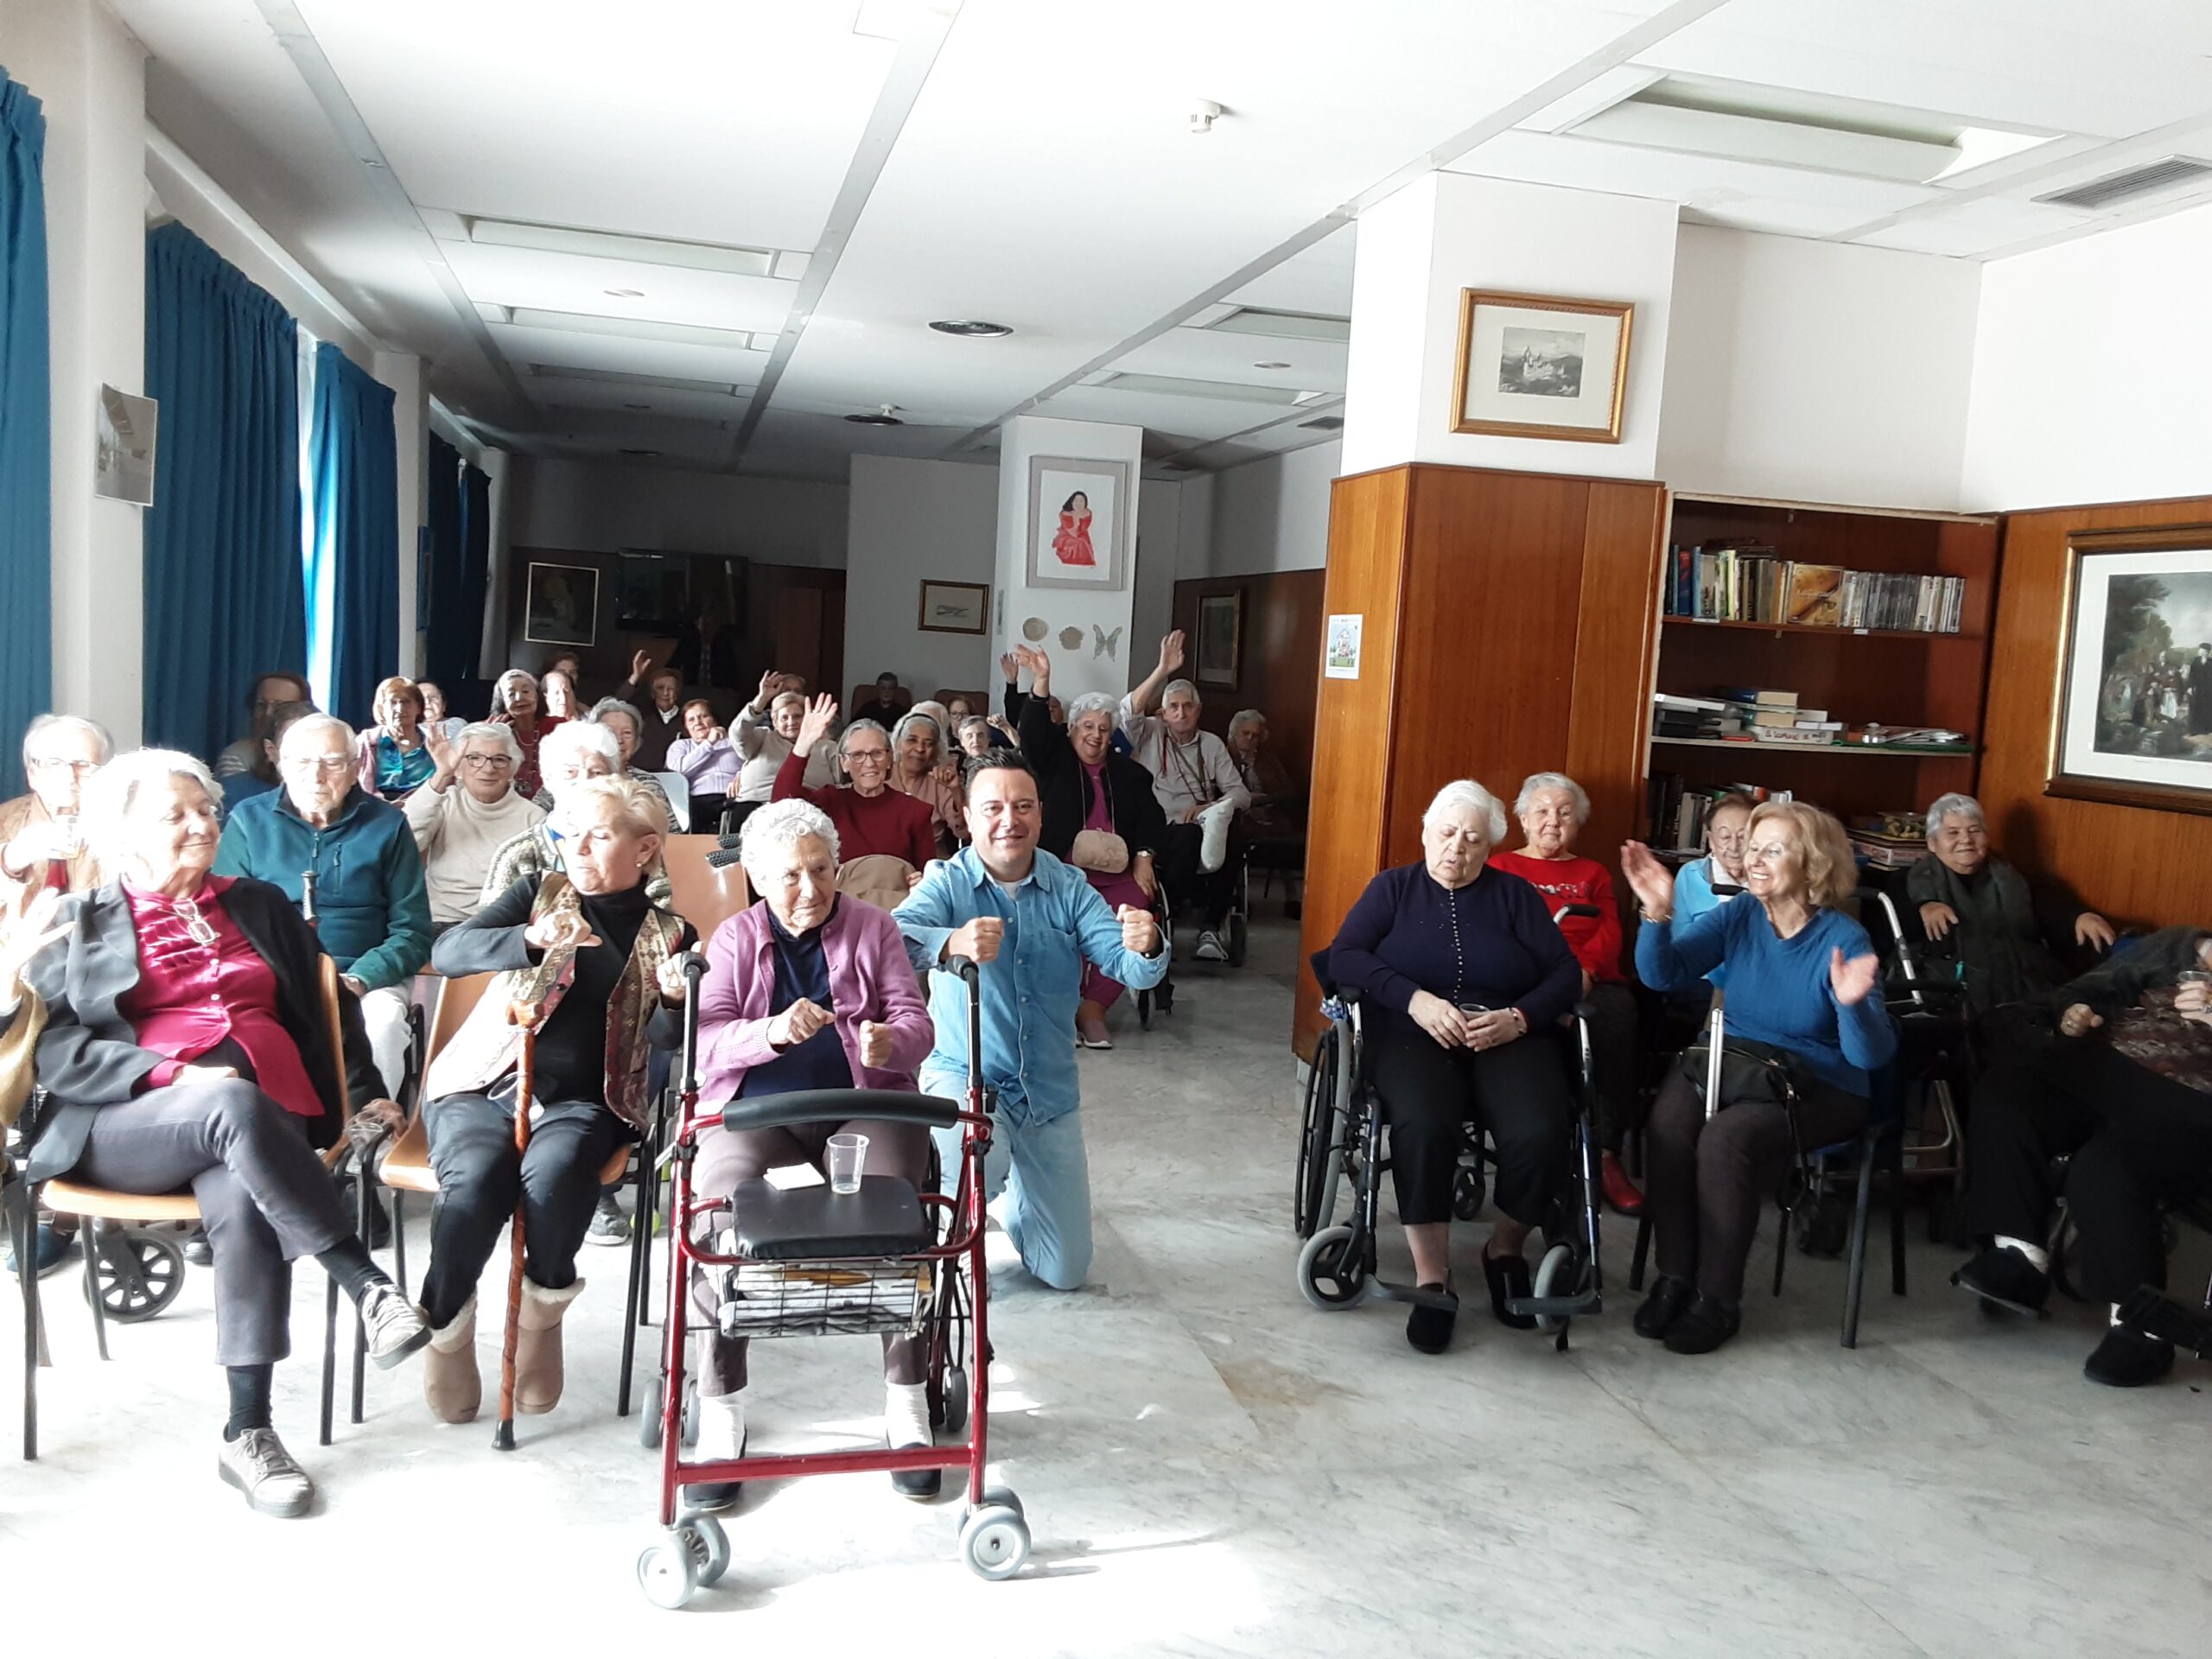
[668,1572]
[1331,1271]
[1467,1193]
[139,1274]
[649,1418]
[713,1539]
[953,1418]
[1004,1498]
[994,1542]
[1555,1276]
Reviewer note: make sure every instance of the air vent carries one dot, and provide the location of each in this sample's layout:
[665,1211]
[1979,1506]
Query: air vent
[1283,325]
[2171,174]
[886,416]
[643,381]
[1323,423]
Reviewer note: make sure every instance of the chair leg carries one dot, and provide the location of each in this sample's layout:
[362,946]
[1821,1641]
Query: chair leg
[399,1238]
[94,1232]
[641,1223]
[22,1228]
[364,1198]
[329,1359]
[1854,1288]
[1781,1244]
[1643,1250]
[1896,1215]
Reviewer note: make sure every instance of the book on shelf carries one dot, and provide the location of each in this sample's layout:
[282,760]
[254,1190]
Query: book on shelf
[1678,814]
[1742,581]
[1815,596]
[1761,698]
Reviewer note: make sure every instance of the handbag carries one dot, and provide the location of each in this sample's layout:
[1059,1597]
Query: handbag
[1101,850]
[1748,1072]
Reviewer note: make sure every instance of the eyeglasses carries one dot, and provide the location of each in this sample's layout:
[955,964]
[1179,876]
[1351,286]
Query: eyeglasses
[330,765]
[56,763]
[489,762]
[201,930]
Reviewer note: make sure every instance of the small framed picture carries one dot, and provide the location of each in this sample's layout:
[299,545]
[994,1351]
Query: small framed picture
[1220,641]
[955,607]
[1531,366]
[562,605]
[1340,647]
[1079,529]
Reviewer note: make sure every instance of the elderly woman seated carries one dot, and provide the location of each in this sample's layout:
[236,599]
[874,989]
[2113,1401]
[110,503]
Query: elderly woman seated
[574,753]
[2009,941]
[764,730]
[1553,809]
[394,754]
[435,717]
[515,702]
[977,737]
[187,1046]
[2122,1091]
[708,761]
[627,722]
[805,990]
[1801,979]
[1100,815]
[1465,977]
[460,831]
[873,819]
[918,769]
[587,945]
[557,686]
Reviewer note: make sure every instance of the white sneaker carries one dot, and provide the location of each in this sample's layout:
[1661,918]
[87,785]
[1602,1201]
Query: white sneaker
[906,1422]
[1209,947]
[1213,848]
[395,1326]
[722,1437]
[260,1466]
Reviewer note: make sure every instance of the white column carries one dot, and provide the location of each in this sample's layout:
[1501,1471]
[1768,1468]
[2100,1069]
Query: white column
[90,74]
[492,649]
[410,423]
[1082,614]
[1446,231]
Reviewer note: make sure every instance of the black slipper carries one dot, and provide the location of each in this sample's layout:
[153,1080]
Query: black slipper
[1429,1329]
[1509,1278]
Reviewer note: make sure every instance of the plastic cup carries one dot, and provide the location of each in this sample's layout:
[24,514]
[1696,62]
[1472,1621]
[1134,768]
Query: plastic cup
[847,1153]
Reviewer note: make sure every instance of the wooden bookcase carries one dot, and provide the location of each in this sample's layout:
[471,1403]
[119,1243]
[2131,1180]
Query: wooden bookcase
[1897,679]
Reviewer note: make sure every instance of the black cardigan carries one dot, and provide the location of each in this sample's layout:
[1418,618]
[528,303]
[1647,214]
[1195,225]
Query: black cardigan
[1064,786]
[89,1056]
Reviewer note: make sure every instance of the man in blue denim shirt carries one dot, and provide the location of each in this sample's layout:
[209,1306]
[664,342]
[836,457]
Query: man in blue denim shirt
[1030,921]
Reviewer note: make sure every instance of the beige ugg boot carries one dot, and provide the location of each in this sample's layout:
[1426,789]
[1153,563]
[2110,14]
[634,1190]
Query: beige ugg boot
[537,1346]
[450,1382]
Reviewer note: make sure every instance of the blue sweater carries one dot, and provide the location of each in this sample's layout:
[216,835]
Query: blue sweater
[372,907]
[1778,989]
[1490,942]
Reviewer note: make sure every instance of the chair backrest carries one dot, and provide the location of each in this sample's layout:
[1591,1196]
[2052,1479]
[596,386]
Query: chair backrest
[678,788]
[865,692]
[457,1000]
[702,895]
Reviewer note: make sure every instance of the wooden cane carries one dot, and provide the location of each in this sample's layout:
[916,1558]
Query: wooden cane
[503,1437]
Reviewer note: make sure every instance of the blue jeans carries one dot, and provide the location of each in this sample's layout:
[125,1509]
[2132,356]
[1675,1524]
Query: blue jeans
[1047,1175]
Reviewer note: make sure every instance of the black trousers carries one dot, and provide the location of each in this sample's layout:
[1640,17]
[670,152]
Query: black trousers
[727,1157]
[1518,1092]
[481,1178]
[2136,1139]
[707,814]
[265,1197]
[1613,1049]
[1204,897]
[1704,1183]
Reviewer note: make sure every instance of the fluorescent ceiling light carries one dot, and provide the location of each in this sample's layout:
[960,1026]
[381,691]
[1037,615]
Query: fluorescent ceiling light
[1228,391]
[1284,325]
[581,322]
[645,382]
[634,249]
[1980,146]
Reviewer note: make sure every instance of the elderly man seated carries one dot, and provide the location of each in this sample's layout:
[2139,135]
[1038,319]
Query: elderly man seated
[658,696]
[1272,814]
[873,819]
[1199,787]
[41,842]
[460,831]
[265,694]
[372,911]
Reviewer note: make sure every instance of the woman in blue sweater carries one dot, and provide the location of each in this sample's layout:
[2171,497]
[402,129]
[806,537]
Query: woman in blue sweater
[1801,977]
[1458,963]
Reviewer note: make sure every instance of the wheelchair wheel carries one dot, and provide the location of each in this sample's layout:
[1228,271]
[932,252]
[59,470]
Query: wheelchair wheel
[1823,1225]
[1332,1269]
[1316,1135]
[1237,942]
[1468,1191]
[1559,1274]
[139,1274]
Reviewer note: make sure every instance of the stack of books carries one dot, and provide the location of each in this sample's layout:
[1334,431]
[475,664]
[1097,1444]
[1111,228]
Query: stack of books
[1774,716]
[1887,848]
[1678,814]
[1692,717]
[1749,582]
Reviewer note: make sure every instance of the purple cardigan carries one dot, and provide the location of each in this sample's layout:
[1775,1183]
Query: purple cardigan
[869,979]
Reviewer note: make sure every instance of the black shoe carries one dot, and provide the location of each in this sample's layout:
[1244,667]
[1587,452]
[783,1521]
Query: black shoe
[1509,1278]
[1662,1306]
[917,1483]
[197,1250]
[2127,1359]
[1429,1329]
[2003,1278]
[1703,1326]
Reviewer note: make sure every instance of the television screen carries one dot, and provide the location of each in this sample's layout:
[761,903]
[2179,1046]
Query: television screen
[654,592]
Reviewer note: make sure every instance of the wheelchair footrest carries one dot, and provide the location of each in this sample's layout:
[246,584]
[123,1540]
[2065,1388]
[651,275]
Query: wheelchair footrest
[1556,1307]
[2155,1314]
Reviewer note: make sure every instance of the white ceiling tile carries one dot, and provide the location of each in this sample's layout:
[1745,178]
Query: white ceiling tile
[1206,354]
[635,356]
[1969,228]
[565,281]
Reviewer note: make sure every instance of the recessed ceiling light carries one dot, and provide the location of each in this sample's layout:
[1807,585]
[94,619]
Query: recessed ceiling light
[1324,424]
[1283,325]
[577,322]
[887,415]
[1271,365]
[636,249]
[624,293]
[970,328]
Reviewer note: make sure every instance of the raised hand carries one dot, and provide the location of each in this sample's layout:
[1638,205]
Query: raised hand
[875,1045]
[1171,652]
[2089,928]
[1852,981]
[1009,665]
[814,726]
[978,940]
[640,666]
[771,681]
[1140,929]
[797,1023]
[441,747]
[1649,880]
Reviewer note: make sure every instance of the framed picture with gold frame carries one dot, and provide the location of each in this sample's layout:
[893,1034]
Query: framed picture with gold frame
[1532,365]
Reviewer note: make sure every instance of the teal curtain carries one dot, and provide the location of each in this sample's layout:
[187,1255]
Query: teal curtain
[26,434]
[224,591]
[353,567]
[442,651]
[475,560]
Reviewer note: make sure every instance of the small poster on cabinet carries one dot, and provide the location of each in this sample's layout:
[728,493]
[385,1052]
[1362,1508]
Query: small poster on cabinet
[1340,649]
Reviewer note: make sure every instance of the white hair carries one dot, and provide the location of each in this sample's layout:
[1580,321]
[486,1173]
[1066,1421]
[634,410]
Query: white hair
[313,723]
[111,794]
[1244,717]
[875,726]
[1173,686]
[637,805]
[67,723]
[583,737]
[490,731]
[777,828]
[499,686]
[937,730]
[1094,703]
[1465,793]
[1538,782]
[1954,805]
[607,706]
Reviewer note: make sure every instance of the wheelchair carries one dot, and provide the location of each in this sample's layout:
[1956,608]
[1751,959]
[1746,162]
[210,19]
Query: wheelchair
[1341,1144]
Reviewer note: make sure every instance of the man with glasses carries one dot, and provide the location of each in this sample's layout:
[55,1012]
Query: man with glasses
[41,843]
[460,831]
[372,905]
[871,816]
[262,697]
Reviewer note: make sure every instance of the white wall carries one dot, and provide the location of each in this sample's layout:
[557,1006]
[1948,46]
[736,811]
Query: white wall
[1080,669]
[911,520]
[1816,372]
[2090,371]
[1274,514]
[1160,566]
[598,508]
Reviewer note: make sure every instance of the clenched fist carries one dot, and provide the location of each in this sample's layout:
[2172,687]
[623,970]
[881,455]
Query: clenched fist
[1140,929]
[795,1024]
[875,1045]
[978,940]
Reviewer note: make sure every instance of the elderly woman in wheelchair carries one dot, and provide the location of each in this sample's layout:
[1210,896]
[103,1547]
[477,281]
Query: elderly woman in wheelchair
[1802,1001]
[1464,975]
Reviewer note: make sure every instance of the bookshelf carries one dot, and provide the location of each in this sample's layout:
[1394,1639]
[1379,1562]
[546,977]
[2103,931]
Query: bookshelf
[1898,677]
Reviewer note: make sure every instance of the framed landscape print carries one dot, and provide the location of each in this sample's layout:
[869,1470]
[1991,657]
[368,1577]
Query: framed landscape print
[2133,725]
[562,605]
[955,607]
[1079,529]
[1220,641]
[1536,367]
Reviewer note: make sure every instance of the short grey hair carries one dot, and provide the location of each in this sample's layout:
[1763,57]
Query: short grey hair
[1465,792]
[607,706]
[1537,782]
[637,804]
[1244,717]
[875,726]
[67,723]
[974,720]
[1953,804]
[1173,686]
[499,686]
[908,724]
[1094,703]
[111,794]
[783,697]
[571,741]
[778,827]
[313,723]
[490,731]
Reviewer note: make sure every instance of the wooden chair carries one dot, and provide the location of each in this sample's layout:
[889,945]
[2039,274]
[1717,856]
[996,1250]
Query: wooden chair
[703,893]
[149,1281]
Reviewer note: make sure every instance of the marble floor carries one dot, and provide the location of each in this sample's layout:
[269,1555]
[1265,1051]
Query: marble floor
[1209,1466]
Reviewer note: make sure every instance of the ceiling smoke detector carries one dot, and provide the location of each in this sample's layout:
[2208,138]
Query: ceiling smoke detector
[1204,114]
[971,328]
[1271,365]
[886,416]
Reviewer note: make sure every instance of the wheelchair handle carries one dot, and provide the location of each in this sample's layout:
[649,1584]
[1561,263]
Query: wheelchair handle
[1576,910]
[839,1106]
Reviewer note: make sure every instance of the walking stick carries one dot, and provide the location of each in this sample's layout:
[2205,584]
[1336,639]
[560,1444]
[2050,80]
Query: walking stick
[1716,1039]
[503,1437]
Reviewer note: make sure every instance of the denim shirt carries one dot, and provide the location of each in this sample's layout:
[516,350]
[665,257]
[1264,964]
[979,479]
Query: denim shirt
[1054,920]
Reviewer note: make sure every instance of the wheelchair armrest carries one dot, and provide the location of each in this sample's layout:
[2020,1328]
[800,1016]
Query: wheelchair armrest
[1584,1011]
[839,1106]
[1590,911]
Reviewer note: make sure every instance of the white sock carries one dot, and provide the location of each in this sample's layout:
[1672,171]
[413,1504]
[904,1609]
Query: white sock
[906,1415]
[1213,843]
[722,1427]
[2038,1256]
[2115,1312]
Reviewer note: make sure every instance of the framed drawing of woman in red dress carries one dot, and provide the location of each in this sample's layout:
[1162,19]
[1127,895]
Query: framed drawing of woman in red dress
[1071,543]
[1079,528]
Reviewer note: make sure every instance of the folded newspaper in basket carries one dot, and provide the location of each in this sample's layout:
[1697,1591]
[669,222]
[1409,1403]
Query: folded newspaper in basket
[795,1299]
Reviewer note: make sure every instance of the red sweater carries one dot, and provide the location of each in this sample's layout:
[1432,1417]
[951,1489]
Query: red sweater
[1595,941]
[897,824]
